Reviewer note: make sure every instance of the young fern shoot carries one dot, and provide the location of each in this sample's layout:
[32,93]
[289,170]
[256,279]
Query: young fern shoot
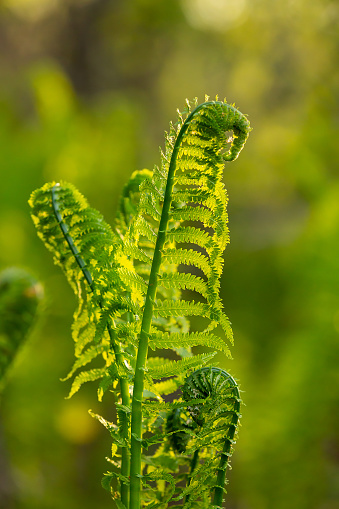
[129,281]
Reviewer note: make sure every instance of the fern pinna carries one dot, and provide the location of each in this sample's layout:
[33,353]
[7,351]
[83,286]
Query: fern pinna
[169,235]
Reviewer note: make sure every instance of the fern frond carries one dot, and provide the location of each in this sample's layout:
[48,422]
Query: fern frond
[89,252]
[68,226]
[195,150]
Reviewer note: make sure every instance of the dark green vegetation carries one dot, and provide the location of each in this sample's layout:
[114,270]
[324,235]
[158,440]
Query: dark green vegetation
[86,92]
[20,295]
[129,287]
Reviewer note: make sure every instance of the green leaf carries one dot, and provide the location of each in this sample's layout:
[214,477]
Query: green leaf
[86,357]
[159,367]
[85,376]
[184,281]
[179,340]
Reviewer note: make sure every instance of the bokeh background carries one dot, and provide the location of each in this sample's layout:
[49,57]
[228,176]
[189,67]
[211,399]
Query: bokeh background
[87,88]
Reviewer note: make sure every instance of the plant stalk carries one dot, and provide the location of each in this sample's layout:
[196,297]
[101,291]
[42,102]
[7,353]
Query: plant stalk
[221,477]
[194,462]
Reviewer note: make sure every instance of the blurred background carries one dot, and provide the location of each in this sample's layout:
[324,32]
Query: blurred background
[87,88]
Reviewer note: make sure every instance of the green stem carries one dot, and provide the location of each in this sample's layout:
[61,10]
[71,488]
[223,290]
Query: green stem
[125,454]
[221,477]
[194,462]
[136,424]
[123,382]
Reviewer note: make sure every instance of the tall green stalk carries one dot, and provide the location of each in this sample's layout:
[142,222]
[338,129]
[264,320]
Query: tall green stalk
[221,476]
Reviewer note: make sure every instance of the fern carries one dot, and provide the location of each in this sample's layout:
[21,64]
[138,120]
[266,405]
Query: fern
[134,282]
[20,295]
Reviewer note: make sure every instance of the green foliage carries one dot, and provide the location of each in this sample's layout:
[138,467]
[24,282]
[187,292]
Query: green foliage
[81,99]
[85,248]
[217,419]
[20,294]
[169,235]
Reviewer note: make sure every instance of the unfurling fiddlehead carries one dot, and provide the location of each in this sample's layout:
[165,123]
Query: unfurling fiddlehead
[216,412]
